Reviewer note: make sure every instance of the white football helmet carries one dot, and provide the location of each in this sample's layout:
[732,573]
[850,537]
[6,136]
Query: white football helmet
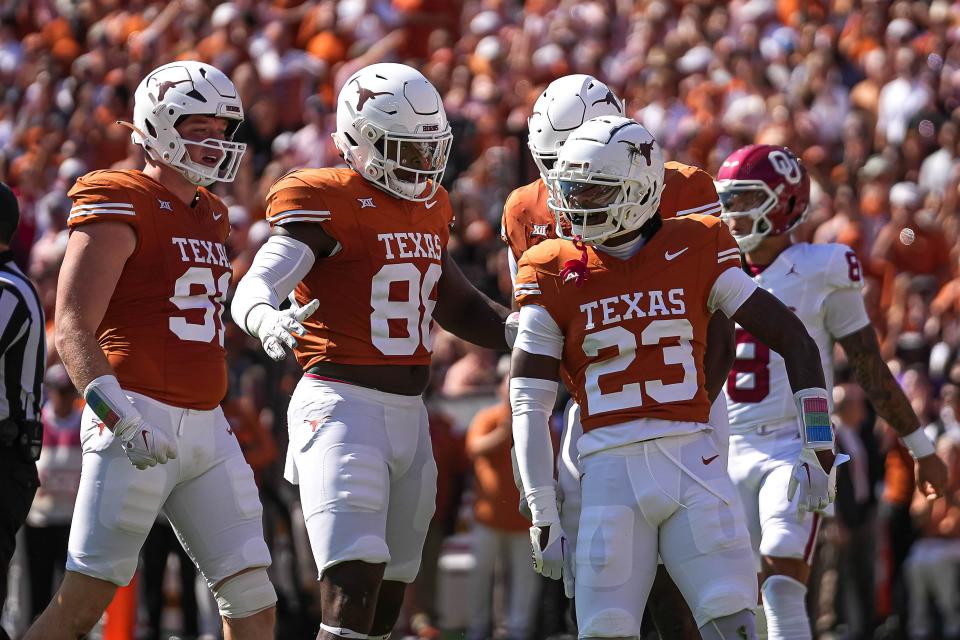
[175,91]
[607,180]
[392,129]
[563,106]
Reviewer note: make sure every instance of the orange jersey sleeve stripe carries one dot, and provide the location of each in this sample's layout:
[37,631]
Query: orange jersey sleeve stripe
[299,215]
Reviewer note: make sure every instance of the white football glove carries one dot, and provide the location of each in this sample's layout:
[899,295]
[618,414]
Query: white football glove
[276,328]
[816,488]
[548,559]
[146,446]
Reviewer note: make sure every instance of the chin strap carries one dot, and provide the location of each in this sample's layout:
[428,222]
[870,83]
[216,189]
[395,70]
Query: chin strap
[576,268]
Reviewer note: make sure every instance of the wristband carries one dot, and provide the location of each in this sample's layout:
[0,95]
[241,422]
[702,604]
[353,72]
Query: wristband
[918,444]
[543,506]
[109,403]
[813,410]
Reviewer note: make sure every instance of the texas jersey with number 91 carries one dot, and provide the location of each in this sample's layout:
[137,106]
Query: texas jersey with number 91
[820,283]
[378,290]
[163,329]
[634,333]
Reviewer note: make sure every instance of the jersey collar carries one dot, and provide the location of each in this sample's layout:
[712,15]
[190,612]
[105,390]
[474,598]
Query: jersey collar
[783,264]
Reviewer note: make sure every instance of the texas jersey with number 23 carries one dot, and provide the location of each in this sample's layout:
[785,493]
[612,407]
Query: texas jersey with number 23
[635,331]
[163,329]
[820,283]
[379,288]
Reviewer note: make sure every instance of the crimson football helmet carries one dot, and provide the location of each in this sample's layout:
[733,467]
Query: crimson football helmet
[766,183]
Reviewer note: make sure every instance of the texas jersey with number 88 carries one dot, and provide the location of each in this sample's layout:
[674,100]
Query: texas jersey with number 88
[635,333]
[168,301]
[379,287]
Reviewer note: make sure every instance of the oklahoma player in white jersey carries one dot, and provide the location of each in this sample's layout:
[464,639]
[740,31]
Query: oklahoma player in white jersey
[624,310]
[764,191]
[563,106]
[365,248]
[139,329]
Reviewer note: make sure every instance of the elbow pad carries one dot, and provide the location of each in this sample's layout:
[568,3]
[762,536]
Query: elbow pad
[279,266]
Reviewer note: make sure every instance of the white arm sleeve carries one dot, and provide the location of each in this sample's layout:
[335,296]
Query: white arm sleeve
[532,401]
[538,333]
[730,290]
[514,267]
[844,312]
[278,267]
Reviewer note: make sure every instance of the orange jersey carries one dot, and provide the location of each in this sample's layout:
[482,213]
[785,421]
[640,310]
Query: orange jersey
[528,221]
[377,292]
[635,331]
[163,331]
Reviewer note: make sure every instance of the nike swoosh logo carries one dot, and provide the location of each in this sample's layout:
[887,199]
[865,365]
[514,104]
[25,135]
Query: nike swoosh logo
[710,459]
[217,216]
[671,256]
[429,205]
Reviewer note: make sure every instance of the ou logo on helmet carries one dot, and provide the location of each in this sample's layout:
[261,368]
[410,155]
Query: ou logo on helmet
[786,165]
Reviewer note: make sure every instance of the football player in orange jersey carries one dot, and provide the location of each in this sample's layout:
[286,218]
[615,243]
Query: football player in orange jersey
[365,248]
[139,329]
[564,105]
[624,310]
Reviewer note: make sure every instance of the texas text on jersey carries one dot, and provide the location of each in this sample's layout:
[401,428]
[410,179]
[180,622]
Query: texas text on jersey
[813,280]
[527,221]
[641,319]
[381,281]
[169,298]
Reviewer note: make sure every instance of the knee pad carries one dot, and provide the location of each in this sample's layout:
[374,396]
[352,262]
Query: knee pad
[610,624]
[246,594]
[737,626]
[785,607]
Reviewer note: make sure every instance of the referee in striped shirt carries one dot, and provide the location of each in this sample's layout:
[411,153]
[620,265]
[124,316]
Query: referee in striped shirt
[23,355]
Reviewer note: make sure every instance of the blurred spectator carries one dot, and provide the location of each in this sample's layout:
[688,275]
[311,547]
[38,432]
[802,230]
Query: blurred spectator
[855,512]
[933,566]
[500,538]
[910,243]
[48,523]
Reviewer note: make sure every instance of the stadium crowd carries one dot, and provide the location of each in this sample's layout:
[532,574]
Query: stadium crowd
[867,92]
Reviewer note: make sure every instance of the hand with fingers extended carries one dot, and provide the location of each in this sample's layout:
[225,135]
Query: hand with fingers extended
[276,329]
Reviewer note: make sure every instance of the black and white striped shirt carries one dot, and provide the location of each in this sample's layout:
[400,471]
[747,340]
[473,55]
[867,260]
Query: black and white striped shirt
[23,343]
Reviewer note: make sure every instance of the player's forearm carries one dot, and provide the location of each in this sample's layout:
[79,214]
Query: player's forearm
[476,319]
[882,389]
[802,360]
[531,400]
[82,356]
